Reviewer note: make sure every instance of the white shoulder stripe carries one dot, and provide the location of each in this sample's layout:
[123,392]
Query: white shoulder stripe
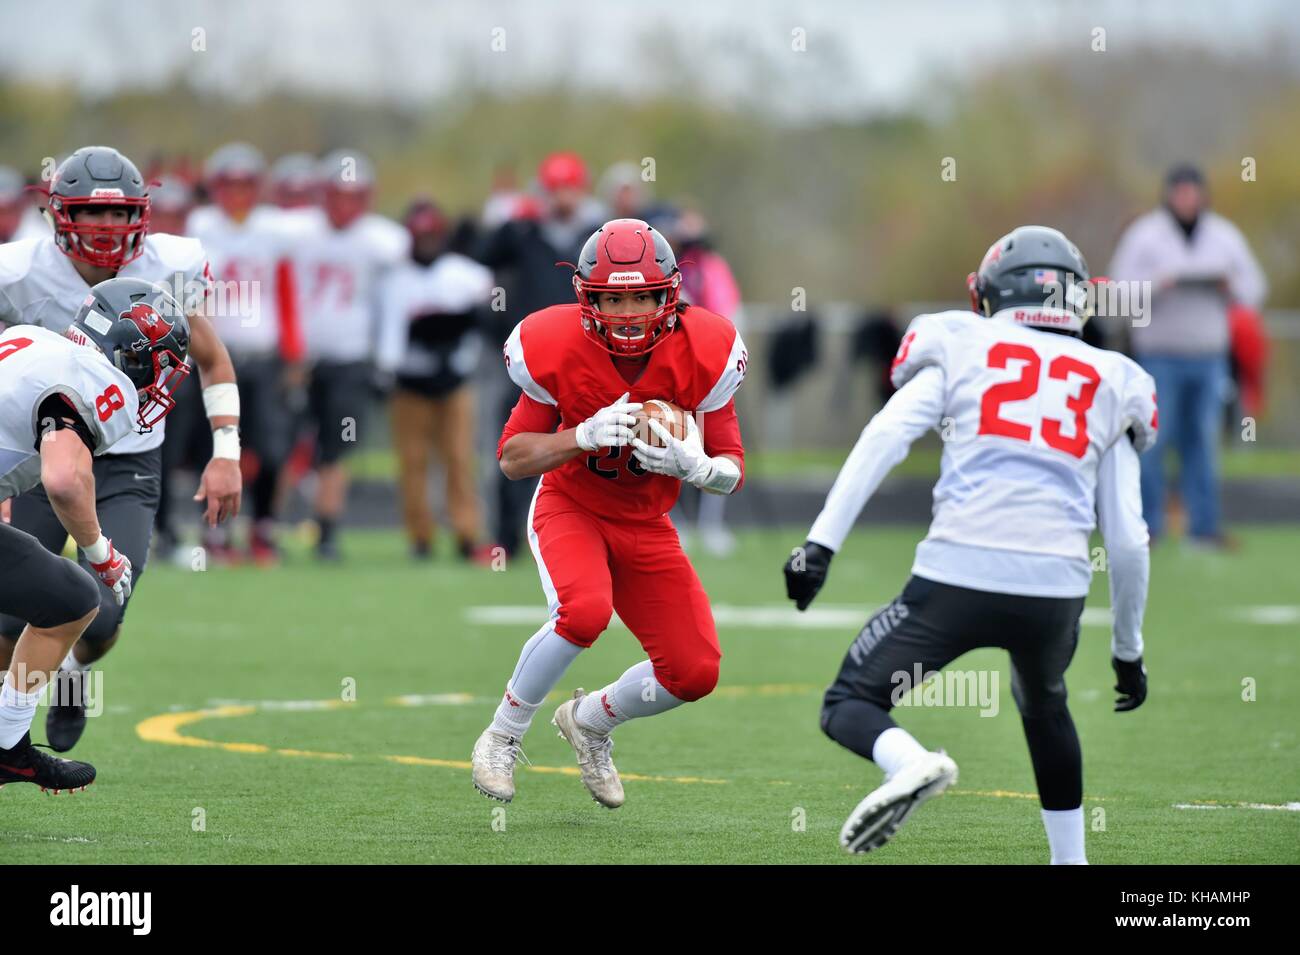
[732,375]
[517,366]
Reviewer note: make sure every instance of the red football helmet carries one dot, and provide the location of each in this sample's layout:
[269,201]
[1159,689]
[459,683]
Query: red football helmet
[98,177]
[621,256]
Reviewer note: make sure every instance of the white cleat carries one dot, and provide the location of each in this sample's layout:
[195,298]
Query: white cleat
[886,808]
[494,760]
[593,751]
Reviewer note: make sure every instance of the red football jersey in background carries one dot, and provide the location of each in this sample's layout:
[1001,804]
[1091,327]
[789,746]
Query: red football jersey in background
[566,378]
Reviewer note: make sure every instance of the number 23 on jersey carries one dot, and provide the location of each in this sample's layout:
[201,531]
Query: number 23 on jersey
[1072,438]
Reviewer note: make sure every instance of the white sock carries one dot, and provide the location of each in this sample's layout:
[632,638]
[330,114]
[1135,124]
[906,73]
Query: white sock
[895,748]
[542,662]
[16,712]
[72,664]
[633,695]
[1065,835]
[514,715]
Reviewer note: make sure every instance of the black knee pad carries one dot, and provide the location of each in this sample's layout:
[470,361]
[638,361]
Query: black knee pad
[107,621]
[68,593]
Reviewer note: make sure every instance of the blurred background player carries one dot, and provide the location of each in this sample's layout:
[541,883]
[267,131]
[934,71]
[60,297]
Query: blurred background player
[598,524]
[1199,266]
[523,252]
[429,345]
[339,270]
[295,181]
[99,208]
[249,243]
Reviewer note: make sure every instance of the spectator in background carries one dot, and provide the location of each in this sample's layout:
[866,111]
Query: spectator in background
[249,244]
[1198,265]
[430,346]
[523,253]
[707,281]
[627,195]
[504,197]
[339,269]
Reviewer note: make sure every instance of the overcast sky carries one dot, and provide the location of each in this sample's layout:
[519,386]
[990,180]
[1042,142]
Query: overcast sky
[860,56]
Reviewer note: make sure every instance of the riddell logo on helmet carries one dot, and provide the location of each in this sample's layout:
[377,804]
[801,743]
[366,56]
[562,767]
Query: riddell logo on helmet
[152,325]
[106,193]
[626,278]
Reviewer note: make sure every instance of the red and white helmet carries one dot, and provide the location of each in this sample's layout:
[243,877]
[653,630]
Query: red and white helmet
[621,256]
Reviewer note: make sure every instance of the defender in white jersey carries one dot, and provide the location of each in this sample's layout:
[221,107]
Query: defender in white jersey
[1041,440]
[63,400]
[99,209]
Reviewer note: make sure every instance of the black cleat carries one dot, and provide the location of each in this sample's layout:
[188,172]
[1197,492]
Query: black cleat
[25,763]
[66,719]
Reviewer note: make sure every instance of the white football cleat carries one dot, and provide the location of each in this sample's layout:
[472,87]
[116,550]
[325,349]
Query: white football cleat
[494,760]
[878,817]
[594,754]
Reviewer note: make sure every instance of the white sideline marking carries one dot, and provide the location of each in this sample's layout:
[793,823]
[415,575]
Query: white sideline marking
[1284,807]
[770,617]
[1269,615]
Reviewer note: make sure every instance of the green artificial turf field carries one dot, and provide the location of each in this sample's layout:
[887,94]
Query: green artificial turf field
[226,736]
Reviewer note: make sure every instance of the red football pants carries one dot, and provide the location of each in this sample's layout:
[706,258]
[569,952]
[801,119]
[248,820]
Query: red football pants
[591,566]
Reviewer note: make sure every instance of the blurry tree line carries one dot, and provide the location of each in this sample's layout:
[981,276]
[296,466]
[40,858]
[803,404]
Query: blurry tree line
[848,211]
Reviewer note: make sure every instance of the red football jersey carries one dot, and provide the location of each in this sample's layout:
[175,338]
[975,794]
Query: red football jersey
[566,378]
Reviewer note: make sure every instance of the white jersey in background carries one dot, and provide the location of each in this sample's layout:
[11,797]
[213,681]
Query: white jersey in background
[252,303]
[338,275]
[36,363]
[452,284]
[40,286]
[1036,433]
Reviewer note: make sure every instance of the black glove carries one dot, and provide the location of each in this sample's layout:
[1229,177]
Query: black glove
[1130,683]
[805,572]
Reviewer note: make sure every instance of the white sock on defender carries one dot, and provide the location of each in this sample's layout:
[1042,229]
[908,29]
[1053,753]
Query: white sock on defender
[894,748]
[16,712]
[1065,835]
[633,695]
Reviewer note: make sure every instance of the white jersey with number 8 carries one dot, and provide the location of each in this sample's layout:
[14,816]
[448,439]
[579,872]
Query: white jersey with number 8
[36,363]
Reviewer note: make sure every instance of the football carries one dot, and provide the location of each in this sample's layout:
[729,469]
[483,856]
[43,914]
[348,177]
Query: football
[667,414]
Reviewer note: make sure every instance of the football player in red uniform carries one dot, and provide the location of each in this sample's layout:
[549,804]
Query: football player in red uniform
[598,525]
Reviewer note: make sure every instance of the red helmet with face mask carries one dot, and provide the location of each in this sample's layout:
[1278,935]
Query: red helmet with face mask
[628,255]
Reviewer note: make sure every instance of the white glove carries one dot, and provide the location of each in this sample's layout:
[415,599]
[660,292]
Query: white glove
[112,567]
[610,427]
[686,460]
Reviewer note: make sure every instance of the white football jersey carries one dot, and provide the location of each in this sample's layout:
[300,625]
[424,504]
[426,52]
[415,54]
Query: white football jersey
[1027,417]
[338,275]
[36,363]
[246,258]
[40,286]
